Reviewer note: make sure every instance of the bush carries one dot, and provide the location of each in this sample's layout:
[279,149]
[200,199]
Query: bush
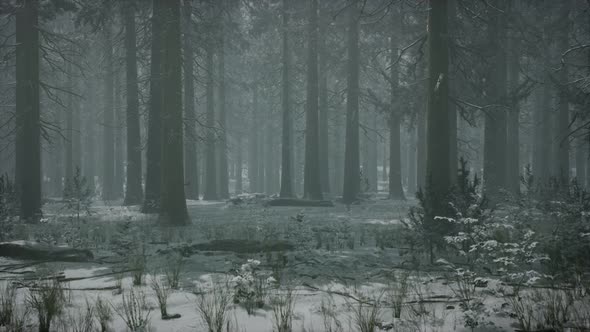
[162,291]
[366,312]
[81,320]
[48,299]
[175,264]
[250,286]
[133,311]
[213,306]
[283,305]
[104,314]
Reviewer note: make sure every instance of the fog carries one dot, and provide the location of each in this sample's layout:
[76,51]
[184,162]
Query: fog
[294,165]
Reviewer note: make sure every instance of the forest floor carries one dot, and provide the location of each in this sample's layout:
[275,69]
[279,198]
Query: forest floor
[334,260]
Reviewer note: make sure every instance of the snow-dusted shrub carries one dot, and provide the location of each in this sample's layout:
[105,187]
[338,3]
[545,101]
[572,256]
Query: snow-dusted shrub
[397,291]
[138,266]
[134,311]
[328,312]
[213,306]
[104,314]
[162,291]
[48,300]
[81,319]
[283,304]
[366,312]
[174,266]
[251,286]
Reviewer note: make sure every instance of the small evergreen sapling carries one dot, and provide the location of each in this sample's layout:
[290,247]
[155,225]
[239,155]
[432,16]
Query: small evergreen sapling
[78,195]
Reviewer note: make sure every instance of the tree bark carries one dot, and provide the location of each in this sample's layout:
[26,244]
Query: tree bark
[210,162]
[253,153]
[223,180]
[312,182]
[191,171]
[495,118]
[287,139]
[396,190]
[513,125]
[151,202]
[323,106]
[562,157]
[352,179]
[437,149]
[133,190]
[28,125]
[108,176]
[173,210]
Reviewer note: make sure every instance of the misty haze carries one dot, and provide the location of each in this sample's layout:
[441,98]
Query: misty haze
[294,165]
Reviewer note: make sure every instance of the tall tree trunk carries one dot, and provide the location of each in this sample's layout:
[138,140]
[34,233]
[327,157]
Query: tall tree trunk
[108,176]
[191,171]
[154,144]
[223,148]
[119,133]
[562,157]
[287,139]
[542,134]
[173,210]
[239,160]
[437,150]
[253,153]
[69,140]
[495,119]
[372,154]
[28,134]
[323,106]
[412,166]
[210,165]
[312,188]
[421,150]
[133,190]
[513,125]
[352,179]
[396,190]
[453,155]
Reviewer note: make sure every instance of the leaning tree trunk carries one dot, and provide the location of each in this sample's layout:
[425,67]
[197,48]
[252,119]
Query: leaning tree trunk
[311,175]
[108,175]
[210,162]
[286,142]
[151,201]
[352,181]
[28,130]
[133,190]
[173,210]
[190,135]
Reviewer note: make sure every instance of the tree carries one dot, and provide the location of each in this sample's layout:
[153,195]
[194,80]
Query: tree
[223,171]
[323,105]
[286,143]
[173,210]
[210,162]
[495,118]
[396,191]
[351,150]
[28,120]
[438,179]
[190,147]
[108,176]
[153,179]
[133,190]
[311,182]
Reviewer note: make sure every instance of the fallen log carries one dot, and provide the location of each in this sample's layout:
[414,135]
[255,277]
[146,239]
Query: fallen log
[298,202]
[35,251]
